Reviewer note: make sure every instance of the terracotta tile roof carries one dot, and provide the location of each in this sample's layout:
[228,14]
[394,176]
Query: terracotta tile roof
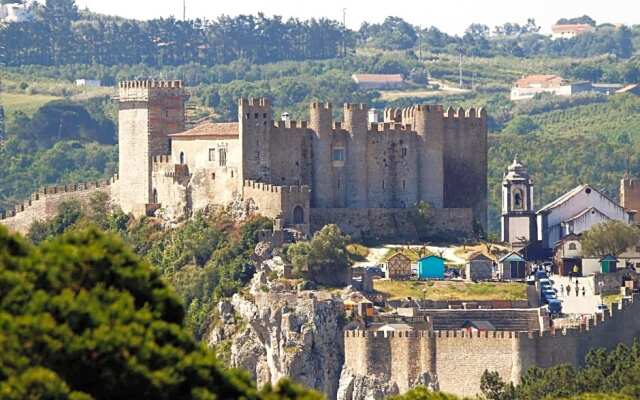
[578,28]
[536,79]
[209,129]
[378,78]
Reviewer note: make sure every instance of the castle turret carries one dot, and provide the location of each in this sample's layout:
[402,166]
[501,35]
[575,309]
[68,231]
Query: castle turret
[320,122]
[356,124]
[255,118]
[429,126]
[149,111]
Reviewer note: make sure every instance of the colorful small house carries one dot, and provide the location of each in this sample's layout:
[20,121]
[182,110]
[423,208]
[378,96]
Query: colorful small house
[608,264]
[398,267]
[512,267]
[431,267]
[479,268]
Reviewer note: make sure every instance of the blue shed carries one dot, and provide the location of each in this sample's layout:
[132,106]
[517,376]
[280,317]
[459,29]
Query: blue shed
[431,267]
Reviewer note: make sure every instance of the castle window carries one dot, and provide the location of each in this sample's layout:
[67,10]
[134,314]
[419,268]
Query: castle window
[232,173]
[182,157]
[298,215]
[212,154]
[155,196]
[337,155]
[256,115]
[248,116]
[404,152]
[264,115]
[213,176]
[404,185]
[222,157]
[573,246]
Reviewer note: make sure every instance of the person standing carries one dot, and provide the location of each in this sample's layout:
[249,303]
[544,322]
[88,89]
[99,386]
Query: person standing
[561,289]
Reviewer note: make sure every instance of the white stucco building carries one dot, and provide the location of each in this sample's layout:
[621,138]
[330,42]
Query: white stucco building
[575,212]
[572,213]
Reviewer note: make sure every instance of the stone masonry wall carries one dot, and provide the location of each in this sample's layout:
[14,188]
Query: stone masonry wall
[43,205]
[457,359]
[396,223]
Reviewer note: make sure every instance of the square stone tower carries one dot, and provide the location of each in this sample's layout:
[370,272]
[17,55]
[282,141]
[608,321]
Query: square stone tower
[149,111]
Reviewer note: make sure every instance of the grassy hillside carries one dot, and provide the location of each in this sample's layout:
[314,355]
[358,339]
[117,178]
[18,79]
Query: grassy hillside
[27,103]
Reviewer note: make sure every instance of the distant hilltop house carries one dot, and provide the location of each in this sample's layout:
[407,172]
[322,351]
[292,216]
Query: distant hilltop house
[379,81]
[88,83]
[572,213]
[365,177]
[14,12]
[528,87]
[569,31]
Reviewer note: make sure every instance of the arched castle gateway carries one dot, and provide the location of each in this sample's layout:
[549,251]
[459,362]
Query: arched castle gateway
[364,176]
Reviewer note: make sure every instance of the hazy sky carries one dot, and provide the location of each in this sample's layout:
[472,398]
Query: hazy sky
[450,16]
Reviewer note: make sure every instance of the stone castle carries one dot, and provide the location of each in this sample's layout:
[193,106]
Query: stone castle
[363,175]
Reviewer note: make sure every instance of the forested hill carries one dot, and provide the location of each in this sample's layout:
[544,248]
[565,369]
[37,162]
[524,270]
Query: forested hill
[60,34]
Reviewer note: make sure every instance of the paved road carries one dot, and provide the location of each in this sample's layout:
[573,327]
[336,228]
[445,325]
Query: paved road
[572,304]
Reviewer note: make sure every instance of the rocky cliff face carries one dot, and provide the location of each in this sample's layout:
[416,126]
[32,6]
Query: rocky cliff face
[358,387]
[275,332]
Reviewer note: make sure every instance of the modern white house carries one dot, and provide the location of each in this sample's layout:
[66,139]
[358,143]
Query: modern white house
[14,12]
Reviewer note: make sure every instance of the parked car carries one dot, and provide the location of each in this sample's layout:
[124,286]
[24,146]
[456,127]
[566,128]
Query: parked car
[375,271]
[555,307]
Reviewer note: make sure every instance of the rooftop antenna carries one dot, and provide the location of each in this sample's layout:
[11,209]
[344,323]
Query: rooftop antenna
[184,10]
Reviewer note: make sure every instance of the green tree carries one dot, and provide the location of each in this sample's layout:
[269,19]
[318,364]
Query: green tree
[521,125]
[82,317]
[609,238]
[422,393]
[327,249]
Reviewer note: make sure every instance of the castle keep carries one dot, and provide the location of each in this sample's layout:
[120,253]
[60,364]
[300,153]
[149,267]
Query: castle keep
[364,176]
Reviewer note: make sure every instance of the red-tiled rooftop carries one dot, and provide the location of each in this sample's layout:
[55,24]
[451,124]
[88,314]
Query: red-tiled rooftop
[378,78]
[537,79]
[571,28]
[211,129]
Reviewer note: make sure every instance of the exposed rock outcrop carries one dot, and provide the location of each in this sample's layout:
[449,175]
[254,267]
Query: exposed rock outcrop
[359,387]
[280,332]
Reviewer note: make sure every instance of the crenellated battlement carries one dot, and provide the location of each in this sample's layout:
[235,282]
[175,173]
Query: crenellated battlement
[267,187]
[162,159]
[150,84]
[60,191]
[356,107]
[460,113]
[290,124]
[261,102]
[390,128]
[321,106]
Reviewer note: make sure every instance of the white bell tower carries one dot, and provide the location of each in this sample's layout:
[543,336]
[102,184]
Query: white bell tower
[518,214]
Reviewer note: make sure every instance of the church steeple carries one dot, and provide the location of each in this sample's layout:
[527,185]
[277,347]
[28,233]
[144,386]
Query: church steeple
[518,214]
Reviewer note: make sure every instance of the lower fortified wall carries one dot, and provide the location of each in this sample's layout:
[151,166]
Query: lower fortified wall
[457,359]
[395,223]
[288,204]
[43,204]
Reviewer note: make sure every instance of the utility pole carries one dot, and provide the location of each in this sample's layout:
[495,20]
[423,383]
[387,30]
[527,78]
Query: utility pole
[460,69]
[344,34]
[184,10]
[420,43]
